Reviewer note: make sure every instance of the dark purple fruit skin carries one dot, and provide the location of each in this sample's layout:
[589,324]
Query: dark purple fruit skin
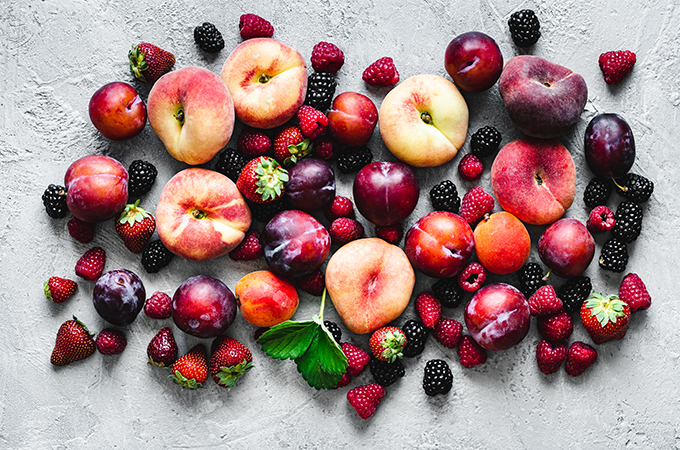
[118,296]
[311,185]
[203,306]
[609,146]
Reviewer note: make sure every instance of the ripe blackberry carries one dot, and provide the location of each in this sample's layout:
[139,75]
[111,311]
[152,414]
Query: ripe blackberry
[438,378]
[416,337]
[597,192]
[634,187]
[485,141]
[385,373]
[320,90]
[628,221]
[614,255]
[208,37]
[230,162]
[265,211]
[448,292]
[142,175]
[54,199]
[155,256]
[530,278]
[444,197]
[574,292]
[334,329]
[525,28]
[353,159]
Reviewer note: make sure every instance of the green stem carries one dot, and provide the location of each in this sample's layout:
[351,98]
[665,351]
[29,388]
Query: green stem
[323,303]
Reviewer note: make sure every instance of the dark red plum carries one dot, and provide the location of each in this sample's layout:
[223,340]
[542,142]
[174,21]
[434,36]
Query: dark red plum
[386,192]
[609,146]
[311,185]
[566,247]
[295,243]
[352,119]
[118,296]
[474,61]
[203,306]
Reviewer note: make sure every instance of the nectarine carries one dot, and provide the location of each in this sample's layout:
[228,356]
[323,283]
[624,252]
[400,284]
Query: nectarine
[265,299]
[502,243]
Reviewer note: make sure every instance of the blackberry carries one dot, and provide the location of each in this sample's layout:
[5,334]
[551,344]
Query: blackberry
[385,373]
[524,28]
[614,255]
[208,37]
[597,192]
[634,187]
[438,378]
[353,159]
[142,175]
[485,141]
[334,329]
[320,90]
[416,337]
[54,199]
[156,256]
[265,211]
[448,292]
[628,217]
[444,197]
[531,278]
[230,162]
[574,292]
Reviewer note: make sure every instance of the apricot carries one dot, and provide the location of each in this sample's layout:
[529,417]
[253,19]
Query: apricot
[265,299]
[502,243]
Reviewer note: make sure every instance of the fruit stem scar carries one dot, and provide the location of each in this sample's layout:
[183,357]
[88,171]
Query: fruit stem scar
[538,179]
[198,214]
[426,117]
[179,116]
[263,78]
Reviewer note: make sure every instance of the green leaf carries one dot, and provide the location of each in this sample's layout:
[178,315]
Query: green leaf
[288,340]
[321,365]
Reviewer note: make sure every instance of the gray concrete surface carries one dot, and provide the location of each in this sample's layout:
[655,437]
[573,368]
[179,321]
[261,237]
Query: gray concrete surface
[55,54]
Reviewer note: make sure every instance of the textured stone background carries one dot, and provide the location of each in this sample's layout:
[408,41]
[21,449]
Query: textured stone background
[55,54]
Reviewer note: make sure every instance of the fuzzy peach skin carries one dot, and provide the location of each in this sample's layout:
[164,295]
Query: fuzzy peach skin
[265,299]
[370,283]
[534,179]
[192,113]
[267,80]
[424,120]
[201,215]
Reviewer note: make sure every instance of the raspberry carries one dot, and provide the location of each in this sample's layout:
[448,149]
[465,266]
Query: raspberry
[549,357]
[253,26]
[365,399]
[634,187]
[574,292]
[381,73]
[385,373]
[448,292]
[470,352]
[437,377]
[142,175]
[470,167]
[158,306]
[601,219]
[344,381]
[597,192]
[444,197]
[344,230]
[340,207]
[320,90]
[54,200]
[208,37]
[110,342]
[356,358]
[353,159]
[91,265]
[334,329]
[531,277]
[544,301]
[555,327]
[525,28]
[313,122]
[475,204]
[614,255]
[313,283]
[634,292]
[485,141]
[324,148]
[616,65]
[249,249]
[327,57]
[428,309]
[472,277]
[628,221]
[230,163]
[416,337]
[155,256]
[81,231]
[253,143]
[448,332]
[390,233]
[580,356]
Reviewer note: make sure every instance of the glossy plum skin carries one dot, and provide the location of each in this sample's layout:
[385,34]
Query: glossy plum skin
[203,306]
[118,296]
[386,192]
[117,111]
[566,247]
[498,316]
[609,146]
[311,185]
[295,243]
[352,119]
[474,61]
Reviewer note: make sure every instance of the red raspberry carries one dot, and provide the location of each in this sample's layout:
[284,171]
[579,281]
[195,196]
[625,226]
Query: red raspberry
[91,265]
[365,399]
[324,148]
[81,231]
[601,219]
[356,358]
[429,309]
[313,283]
[249,249]
[158,306]
[313,122]
[579,357]
[470,352]
[549,357]
[475,204]
[472,277]
[390,233]
[381,73]
[555,327]
[344,230]
[448,332]
[327,57]
[253,26]
[253,143]
[341,207]
[544,301]
[634,292]
[344,381]
[111,342]
[470,167]
[616,65]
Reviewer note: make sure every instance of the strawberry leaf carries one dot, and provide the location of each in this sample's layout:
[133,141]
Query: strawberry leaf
[288,340]
[324,363]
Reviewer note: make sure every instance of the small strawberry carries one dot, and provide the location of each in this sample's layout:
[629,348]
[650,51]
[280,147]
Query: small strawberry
[580,356]
[616,65]
[381,73]
[254,26]
[230,360]
[162,350]
[158,306]
[253,143]
[390,233]
[325,148]
[448,332]
[149,62]
[357,358]
[135,226]
[605,318]
[472,277]
[601,218]
[341,207]
[555,327]
[313,123]
[313,283]
[344,381]
[58,290]
[91,265]
[470,352]
[249,249]
[110,341]
[290,145]
[475,204]
[191,369]
[387,343]
[634,292]
[548,357]
[327,57]
[470,167]
[262,180]
[429,309]
[81,231]
[74,342]
[344,230]
[365,399]
[544,301]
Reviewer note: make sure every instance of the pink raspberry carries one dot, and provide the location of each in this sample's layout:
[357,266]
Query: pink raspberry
[381,73]
[470,167]
[327,57]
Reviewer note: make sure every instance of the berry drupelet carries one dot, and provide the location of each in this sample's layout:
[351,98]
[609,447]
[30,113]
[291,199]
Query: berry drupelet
[574,292]
[628,221]
[142,175]
[54,199]
[386,373]
[265,211]
[531,277]
[597,192]
[438,378]
[444,197]
[353,159]
[155,256]
[614,256]
[230,162]
[334,329]
[634,187]
[525,28]
[208,37]
[320,90]
[416,337]
[448,292]
[485,141]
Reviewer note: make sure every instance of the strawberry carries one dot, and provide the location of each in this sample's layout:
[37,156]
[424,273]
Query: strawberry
[341,207]
[390,233]
[475,204]
[135,225]
[162,350]
[191,369]
[74,342]
[249,249]
[555,327]
[616,65]
[365,399]
[548,357]
[253,26]
[290,145]
[110,341]
[448,332]
[605,318]
[344,230]
[544,301]
[313,123]
[149,62]
[313,283]
[429,309]
[81,231]
[262,180]
[253,143]
[357,358]
[58,289]
[387,343]
[381,73]
[580,356]
[230,360]
[91,265]
[634,292]
[158,306]
[470,352]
